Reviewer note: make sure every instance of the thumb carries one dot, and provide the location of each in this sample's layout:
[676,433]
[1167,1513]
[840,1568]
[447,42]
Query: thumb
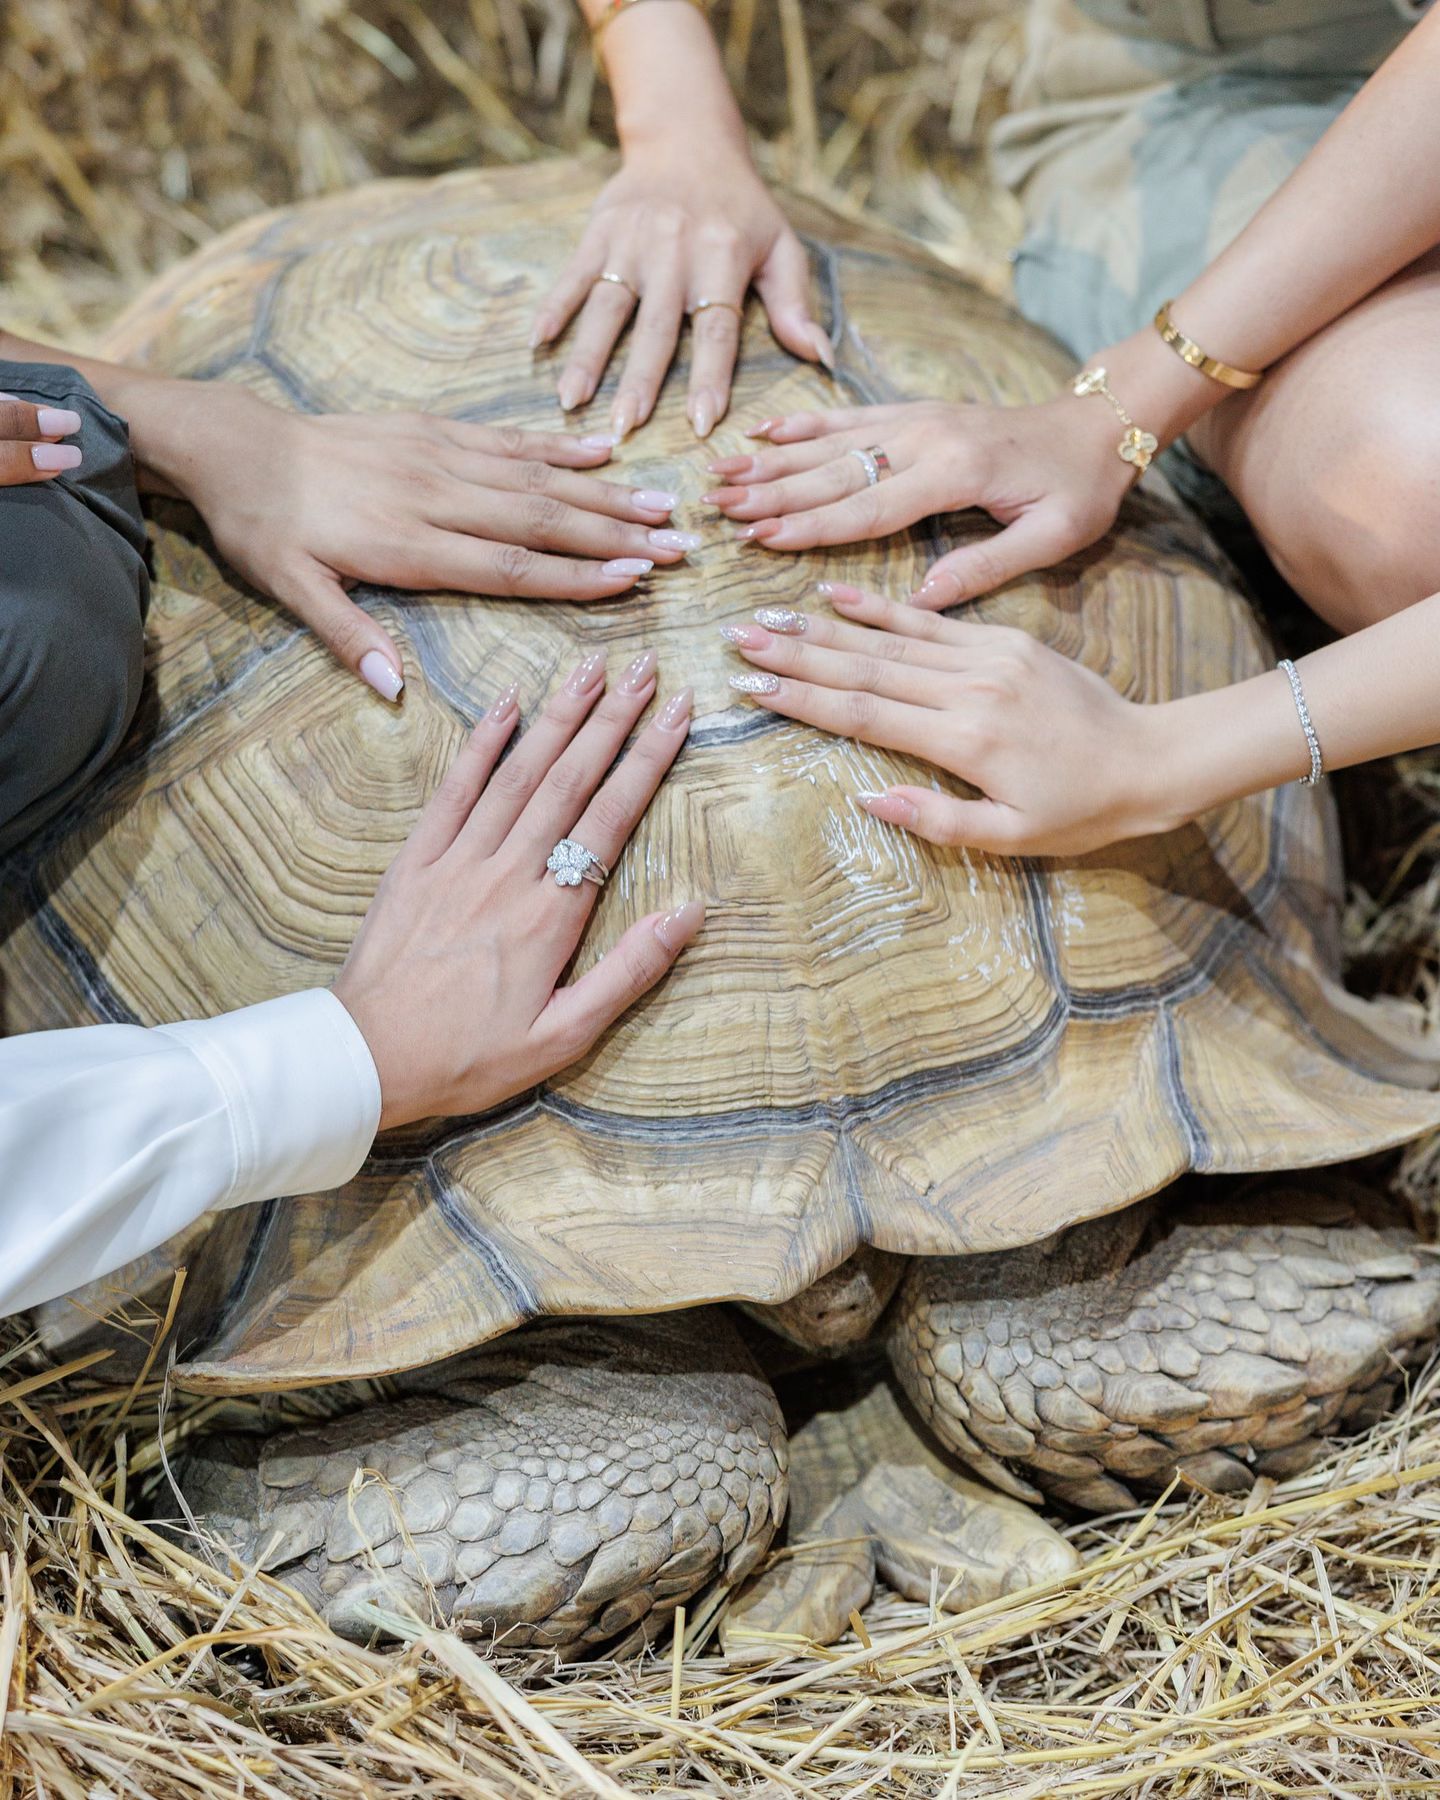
[579,1013]
[942,819]
[1032,542]
[314,593]
[783,284]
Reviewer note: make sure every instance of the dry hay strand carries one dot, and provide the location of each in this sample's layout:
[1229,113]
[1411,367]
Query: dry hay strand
[133,130]
[1287,1643]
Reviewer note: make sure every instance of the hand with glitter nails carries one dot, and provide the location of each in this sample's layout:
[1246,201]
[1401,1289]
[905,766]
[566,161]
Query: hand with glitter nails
[1048,474]
[687,226]
[1061,762]
[454,977]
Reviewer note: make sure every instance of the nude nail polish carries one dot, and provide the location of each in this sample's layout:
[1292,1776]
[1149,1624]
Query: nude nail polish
[783,619]
[588,674]
[505,704]
[599,440]
[574,390]
[674,540]
[654,500]
[894,809]
[624,414]
[746,636]
[677,928]
[377,669]
[54,456]
[763,429]
[702,414]
[629,566]
[676,710]
[540,333]
[56,421]
[640,673]
[755,684]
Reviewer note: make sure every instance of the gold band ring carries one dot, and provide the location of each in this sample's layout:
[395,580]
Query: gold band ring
[705,305]
[618,280]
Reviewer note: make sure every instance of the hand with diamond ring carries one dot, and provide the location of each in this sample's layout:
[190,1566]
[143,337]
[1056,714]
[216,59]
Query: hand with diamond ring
[1049,474]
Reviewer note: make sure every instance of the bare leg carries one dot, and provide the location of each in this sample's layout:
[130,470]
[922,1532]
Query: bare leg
[1335,457]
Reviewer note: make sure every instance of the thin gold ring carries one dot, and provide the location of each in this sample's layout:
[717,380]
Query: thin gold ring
[618,280]
[704,306]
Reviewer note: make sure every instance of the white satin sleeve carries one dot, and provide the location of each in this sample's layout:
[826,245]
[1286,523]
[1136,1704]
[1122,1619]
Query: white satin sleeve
[113,1137]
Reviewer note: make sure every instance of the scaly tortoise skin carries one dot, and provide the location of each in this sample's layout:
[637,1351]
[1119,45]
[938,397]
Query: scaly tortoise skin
[877,1050]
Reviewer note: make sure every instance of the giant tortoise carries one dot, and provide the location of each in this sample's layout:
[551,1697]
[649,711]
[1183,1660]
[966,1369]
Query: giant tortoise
[927,1098]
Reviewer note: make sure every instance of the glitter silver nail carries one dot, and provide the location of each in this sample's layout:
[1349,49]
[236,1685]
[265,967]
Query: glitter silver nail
[783,619]
[755,684]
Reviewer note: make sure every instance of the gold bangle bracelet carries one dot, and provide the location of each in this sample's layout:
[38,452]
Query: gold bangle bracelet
[613,9]
[1190,352]
[1137,447]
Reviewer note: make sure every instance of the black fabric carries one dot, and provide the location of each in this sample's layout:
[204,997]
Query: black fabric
[73,593]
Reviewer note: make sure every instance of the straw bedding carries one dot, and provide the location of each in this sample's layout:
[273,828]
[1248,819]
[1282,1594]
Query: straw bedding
[1288,1644]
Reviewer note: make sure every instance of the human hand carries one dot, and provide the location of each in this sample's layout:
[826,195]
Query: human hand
[304,506]
[1048,473]
[679,228]
[1062,763]
[453,977]
[28,450]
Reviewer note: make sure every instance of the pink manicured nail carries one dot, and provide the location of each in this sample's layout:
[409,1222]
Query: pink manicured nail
[727,496]
[676,710]
[57,421]
[574,390]
[505,704]
[640,673]
[624,414]
[839,594]
[628,566]
[732,466]
[654,500]
[823,348]
[762,529]
[382,675]
[755,684]
[54,456]
[763,429]
[893,808]
[702,414]
[599,440]
[935,584]
[783,619]
[749,637]
[588,674]
[677,928]
[674,540]
[541,332]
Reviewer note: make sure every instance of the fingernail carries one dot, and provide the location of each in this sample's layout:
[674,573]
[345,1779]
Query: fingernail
[702,415]
[838,595]
[57,421]
[892,808]
[783,619]
[762,529]
[573,391]
[586,676]
[539,333]
[763,429]
[655,500]
[677,928]
[932,585]
[381,673]
[505,704]
[676,710]
[822,348]
[746,636]
[628,566]
[732,466]
[54,456]
[726,496]
[674,540]
[599,440]
[623,414]
[755,684]
[640,673]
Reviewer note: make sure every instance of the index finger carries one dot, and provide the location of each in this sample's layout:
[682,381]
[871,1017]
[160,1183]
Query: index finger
[24,423]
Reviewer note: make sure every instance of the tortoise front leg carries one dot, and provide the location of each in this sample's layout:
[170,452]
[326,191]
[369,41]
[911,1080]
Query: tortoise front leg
[566,1487]
[1226,1349]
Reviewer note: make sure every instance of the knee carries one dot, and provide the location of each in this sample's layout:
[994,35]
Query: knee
[71,656]
[1368,543]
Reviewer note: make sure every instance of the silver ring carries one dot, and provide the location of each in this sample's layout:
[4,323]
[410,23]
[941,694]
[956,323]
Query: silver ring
[866,460]
[571,863]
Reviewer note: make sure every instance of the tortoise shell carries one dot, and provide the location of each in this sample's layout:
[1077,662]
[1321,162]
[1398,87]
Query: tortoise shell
[873,1040]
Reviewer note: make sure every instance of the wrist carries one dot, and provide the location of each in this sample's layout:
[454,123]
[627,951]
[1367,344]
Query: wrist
[185,432]
[668,82]
[1206,750]
[1160,389]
